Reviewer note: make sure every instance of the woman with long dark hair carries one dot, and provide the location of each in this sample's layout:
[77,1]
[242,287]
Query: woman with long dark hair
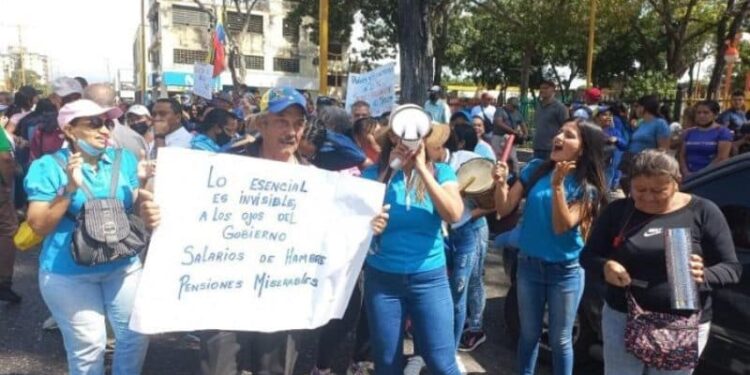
[405,272]
[563,196]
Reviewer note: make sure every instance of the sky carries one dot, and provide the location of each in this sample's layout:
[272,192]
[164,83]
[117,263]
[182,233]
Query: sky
[81,37]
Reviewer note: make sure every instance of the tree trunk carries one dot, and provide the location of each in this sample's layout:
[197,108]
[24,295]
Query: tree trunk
[415,50]
[526,70]
[722,35]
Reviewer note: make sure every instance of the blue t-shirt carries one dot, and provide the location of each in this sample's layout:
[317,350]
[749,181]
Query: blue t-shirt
[485,150]
[732,119]
[537,237]
[648,134]
[204,143]
[46,180]
[412,242]
[701,146]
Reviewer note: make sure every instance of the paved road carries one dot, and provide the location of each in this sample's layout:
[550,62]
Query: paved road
[26,349]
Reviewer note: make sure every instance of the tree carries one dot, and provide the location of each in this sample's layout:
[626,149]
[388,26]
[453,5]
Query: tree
[30,77]
[729,25]
[415,50]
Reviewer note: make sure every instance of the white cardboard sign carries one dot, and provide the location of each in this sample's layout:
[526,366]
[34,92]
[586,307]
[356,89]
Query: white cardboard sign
[248,244]
[376,87]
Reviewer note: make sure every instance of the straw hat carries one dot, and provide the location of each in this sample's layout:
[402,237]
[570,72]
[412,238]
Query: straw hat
[438,135]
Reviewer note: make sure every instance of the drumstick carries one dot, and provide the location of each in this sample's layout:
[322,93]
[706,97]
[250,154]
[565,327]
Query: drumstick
[508,146]
[466,184]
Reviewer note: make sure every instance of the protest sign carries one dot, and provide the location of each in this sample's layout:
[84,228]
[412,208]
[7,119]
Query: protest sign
[376,87]
[203,80]
[248,244]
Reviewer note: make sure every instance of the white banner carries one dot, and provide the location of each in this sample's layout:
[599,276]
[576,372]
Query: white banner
[252,245]
[376,87]
[203,80]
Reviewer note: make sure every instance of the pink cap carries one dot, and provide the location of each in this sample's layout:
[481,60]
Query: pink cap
[85,108]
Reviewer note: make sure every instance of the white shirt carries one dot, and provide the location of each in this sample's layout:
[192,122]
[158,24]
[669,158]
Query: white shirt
[489,112]
[178,138]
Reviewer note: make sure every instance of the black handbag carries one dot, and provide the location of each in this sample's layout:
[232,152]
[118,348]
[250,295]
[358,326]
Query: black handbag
[104,231]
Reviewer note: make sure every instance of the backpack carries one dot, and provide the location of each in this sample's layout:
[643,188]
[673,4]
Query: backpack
[104,231]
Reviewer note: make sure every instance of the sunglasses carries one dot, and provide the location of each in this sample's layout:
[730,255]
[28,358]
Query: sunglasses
[93,122]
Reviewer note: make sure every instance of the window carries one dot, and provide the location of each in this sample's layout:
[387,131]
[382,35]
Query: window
[738,218]
[287,65]
[235,21]
[254,62]
[189,16]
[335,52]
[188,56]
[290,31]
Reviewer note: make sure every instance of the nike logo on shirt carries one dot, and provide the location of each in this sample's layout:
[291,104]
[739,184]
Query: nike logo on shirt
[652,232]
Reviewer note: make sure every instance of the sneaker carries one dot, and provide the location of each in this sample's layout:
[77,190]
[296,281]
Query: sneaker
[359,368]
[8,295]
[317,371]
[471,340]
[414,365]
[50,324]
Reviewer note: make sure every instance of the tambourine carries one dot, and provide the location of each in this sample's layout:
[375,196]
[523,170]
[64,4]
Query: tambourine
[410,123]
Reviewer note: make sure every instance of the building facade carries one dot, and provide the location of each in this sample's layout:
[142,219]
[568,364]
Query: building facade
[274,50]
[32,62]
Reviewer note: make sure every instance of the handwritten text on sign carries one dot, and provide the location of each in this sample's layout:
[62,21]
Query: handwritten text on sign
[252,245]
[376,87]
[202,81]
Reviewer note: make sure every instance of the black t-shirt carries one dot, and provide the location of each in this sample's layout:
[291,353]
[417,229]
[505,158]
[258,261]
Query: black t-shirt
[642,252]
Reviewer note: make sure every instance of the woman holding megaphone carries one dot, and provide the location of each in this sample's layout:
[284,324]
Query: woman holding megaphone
[405,271]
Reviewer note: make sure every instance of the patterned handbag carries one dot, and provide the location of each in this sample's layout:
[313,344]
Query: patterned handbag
[661,340]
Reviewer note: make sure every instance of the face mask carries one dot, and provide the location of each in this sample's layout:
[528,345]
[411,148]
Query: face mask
[223,139]
[433,97]
[89,149]
[140,127]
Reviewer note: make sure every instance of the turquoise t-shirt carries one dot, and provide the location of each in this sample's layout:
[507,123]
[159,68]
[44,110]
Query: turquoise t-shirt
[203,142]
[46,180]
[647,135]
[537,237]
[412,242]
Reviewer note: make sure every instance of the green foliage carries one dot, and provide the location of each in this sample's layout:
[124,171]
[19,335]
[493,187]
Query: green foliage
[32,78]
[648,82]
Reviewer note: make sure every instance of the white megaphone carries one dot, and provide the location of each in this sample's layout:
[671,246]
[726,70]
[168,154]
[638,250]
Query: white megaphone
[410,123]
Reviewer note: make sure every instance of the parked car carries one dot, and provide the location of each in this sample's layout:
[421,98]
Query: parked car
[728,349]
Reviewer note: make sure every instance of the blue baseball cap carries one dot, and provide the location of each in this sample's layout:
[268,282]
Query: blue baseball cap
[277,99]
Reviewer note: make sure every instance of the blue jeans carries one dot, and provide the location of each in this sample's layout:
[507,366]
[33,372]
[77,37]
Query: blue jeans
[558,286]
[461,253]
[477,296]
[426,298]
[78,304]
[617,360]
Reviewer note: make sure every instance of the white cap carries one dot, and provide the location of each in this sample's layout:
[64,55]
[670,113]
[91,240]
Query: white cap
[138,109]
[65,86]
[435,88]
[85,108]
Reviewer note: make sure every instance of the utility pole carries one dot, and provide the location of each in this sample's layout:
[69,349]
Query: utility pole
[323,41]
[21,57]
[590,54]
[143,52]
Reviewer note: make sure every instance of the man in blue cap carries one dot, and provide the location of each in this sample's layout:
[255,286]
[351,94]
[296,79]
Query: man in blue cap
[281,125]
